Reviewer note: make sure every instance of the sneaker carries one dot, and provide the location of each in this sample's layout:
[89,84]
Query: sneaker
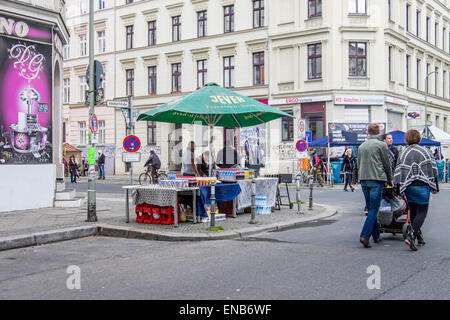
[420,240]
[410,242]
[378,240]
[353,189]
[365,242]
[345,190]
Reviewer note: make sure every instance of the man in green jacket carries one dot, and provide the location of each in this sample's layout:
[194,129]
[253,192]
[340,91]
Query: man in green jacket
[374,170]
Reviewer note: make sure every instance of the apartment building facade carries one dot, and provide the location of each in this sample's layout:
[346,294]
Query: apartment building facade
[322,61]
[76,61]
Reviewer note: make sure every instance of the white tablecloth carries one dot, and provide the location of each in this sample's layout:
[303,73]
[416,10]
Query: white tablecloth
[265,187]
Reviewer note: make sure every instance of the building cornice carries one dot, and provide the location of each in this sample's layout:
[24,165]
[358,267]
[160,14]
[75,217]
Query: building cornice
[292,35]
[396,35]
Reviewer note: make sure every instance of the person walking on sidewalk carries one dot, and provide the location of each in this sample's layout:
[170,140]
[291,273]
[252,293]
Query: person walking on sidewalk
[347,168]
[101,165]
[374,172]
[315,164]
[416,175]
[73,168]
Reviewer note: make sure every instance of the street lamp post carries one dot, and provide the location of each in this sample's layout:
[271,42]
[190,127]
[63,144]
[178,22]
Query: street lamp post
[426,96]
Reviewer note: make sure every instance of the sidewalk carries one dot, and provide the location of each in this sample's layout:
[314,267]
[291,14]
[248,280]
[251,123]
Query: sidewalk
[39,226]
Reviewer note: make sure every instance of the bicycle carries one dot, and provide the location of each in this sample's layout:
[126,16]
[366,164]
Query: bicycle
[145,178]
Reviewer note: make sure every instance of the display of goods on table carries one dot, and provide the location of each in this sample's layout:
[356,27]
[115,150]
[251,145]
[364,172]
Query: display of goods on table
[206,181]
[261,205]
[178,183]
[151,214]
[235,174]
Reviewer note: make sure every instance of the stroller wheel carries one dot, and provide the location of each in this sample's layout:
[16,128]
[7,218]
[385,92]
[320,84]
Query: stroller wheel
[406,230]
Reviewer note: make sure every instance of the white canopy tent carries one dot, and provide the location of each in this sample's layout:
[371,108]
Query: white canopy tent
[436,134]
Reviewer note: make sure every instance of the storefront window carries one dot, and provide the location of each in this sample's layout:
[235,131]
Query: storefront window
[287,127]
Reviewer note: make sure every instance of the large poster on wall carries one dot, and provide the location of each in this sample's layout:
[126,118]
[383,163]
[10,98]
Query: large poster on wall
[350,133]
[253,146]
[25,92]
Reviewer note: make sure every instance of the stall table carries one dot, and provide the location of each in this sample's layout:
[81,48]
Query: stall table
[159,196]
[266,187]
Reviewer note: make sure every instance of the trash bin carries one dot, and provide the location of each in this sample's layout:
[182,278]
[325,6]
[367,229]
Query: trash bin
[440,166]
[336,166]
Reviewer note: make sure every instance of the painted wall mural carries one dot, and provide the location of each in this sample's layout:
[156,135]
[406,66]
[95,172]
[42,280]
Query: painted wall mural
[25,92]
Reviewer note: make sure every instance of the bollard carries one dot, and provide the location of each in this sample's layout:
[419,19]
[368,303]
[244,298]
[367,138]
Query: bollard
[253,217]
[310,193]
[446,171]
[299,211]
[213,205]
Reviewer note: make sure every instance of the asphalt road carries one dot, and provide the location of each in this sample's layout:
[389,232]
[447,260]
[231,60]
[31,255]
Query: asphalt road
[320,260]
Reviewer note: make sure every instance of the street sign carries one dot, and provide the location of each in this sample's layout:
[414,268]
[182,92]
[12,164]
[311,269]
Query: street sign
[94,123]
[117,103]
[308,136]
[301,127]
[131,143]
[301,145]
[302,155]
[131,156]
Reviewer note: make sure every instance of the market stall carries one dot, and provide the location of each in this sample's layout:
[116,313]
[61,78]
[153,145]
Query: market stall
[213,106]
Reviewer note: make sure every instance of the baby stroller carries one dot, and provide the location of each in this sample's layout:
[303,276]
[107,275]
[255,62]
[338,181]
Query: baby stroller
[394,214]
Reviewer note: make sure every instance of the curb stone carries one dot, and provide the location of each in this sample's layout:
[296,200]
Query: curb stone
[39,238]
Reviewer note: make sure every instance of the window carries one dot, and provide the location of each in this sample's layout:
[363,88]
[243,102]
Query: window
[151,33]
[64,132]
[258,13]
[417,22]
[130,82]
[82,130]
[426,77]
[357,6]
[152,80]
[258,68]
[176,77]
[436,76]
[228,19]
[176,28]
[357,59]
[287,127]
[130,34]
[83,88]
[66,50]
[389,10]
[408,61]
[444,76]
[435,34]
[101,42]
[315,61]
[418,74]
[201,24]
[228,72]
[151,132]
[427,30]
[202,70]
[83,7]
[83,45]
[444,32]
[66,89]
[101,4]
[101,132]
[408,9]
[390,63]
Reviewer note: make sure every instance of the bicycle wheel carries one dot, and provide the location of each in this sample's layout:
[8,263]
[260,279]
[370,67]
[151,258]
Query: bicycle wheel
[144,179]
[161,176]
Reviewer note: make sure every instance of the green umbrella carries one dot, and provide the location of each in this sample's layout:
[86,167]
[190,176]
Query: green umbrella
[214,106]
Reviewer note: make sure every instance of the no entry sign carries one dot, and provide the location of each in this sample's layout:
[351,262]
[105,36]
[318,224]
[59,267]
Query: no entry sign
[131,143]
[301,145]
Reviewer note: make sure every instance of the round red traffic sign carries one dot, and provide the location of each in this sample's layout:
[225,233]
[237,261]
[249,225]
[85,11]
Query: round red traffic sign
[94,123]
[131,143]
[302,145]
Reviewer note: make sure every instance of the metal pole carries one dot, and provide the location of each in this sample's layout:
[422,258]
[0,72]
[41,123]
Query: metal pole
[92,205]
[426,102]
[131,129]
[311,192]
[213,204]
[253,217]
[299,211]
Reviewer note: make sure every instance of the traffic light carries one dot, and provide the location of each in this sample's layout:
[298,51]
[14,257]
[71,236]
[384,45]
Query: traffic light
[98,75]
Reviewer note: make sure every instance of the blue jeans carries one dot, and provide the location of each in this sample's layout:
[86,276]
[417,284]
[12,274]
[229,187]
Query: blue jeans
[73,177]
[373,191]
[101,169]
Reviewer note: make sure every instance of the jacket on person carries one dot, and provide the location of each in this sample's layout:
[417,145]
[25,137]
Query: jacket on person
[101,159]
[393,156]
[348,164]
[315,160]
[154,161]
[373,161]
[73,166]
